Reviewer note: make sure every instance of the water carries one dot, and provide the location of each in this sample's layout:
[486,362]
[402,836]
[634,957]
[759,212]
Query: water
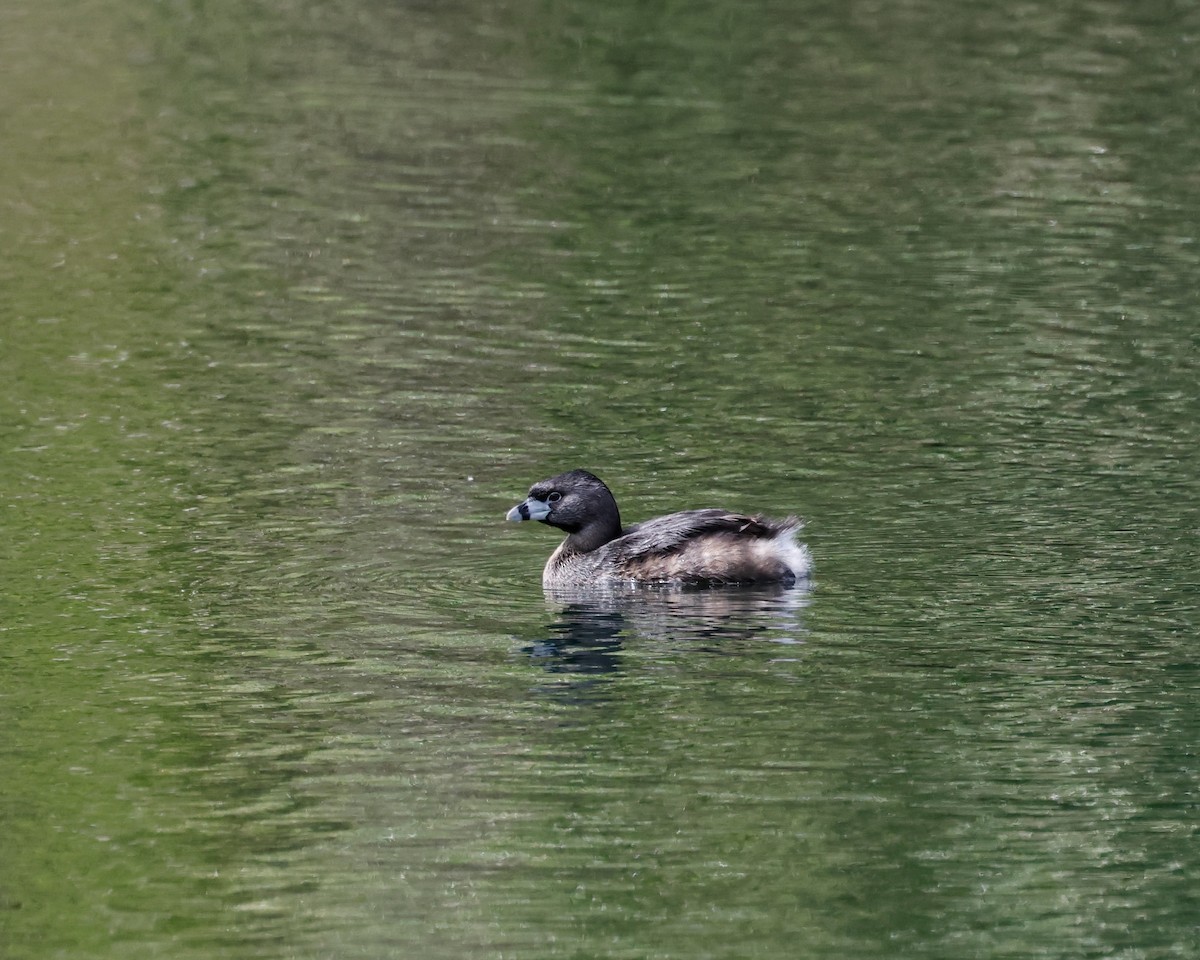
[300,298]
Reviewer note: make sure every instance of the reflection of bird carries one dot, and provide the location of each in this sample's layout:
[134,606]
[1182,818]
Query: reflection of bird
[593,625]
[692,546]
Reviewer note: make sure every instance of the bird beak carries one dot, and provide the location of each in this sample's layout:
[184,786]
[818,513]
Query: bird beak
[530,509]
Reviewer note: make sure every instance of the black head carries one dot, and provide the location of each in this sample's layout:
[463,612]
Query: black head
[572,501]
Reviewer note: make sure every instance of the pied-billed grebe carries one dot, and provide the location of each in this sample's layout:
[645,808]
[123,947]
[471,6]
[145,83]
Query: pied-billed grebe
[692,546]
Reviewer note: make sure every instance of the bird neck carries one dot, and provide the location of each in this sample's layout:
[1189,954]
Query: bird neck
[595,535]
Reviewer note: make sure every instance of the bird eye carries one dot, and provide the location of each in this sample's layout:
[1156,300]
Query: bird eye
[553,497]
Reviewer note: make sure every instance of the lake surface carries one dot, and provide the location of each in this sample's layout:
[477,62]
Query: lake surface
[300,297]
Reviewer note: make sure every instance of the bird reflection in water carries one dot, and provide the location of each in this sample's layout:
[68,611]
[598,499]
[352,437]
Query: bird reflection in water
[592,627]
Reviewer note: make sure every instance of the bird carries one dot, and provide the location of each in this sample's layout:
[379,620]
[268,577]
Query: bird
[691,547]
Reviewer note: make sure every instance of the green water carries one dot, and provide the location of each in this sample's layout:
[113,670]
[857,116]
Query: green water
[298,298]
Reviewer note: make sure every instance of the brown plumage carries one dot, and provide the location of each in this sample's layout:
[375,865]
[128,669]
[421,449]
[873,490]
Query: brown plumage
[692,546]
